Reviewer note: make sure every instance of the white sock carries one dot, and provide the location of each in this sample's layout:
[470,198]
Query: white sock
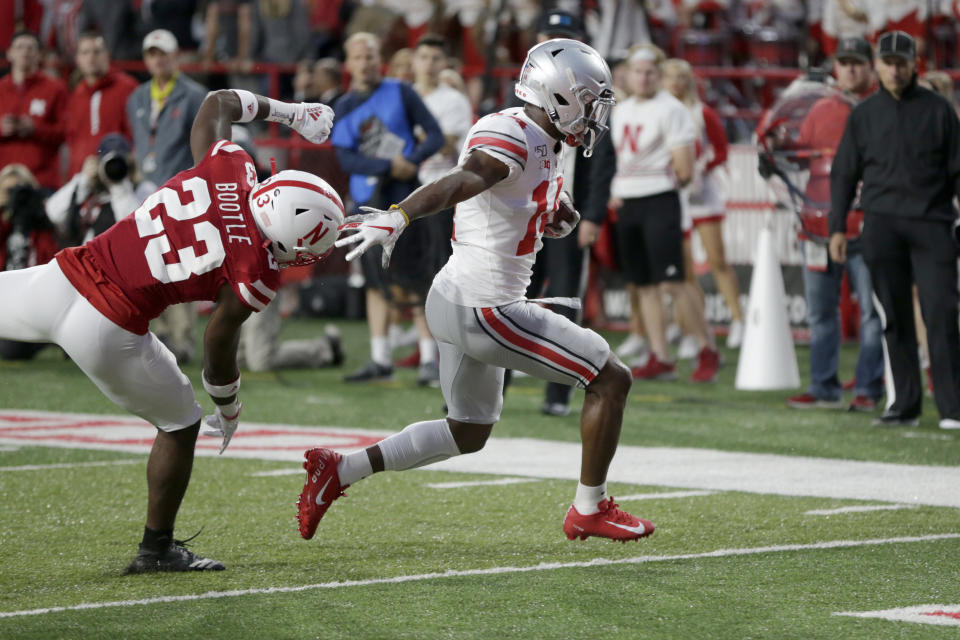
[354,467]
[380,350]
[395,334]
[588,498]
[428,350]
[419,444]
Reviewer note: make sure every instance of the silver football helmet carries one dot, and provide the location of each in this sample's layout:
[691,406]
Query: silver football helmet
[299,214]
[572,83]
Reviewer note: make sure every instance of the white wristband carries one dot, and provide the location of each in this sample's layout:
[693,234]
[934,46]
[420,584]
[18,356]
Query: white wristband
[230,411]
[248,105]
[282,112]
[221,390]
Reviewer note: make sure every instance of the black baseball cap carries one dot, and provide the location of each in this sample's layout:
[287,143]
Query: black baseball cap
[113,143]
[561,24]
[897,44]
[854,48]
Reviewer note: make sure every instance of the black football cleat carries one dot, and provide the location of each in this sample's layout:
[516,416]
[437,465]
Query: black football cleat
[176,557]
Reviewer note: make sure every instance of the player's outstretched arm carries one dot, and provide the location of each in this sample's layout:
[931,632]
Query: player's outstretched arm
[221,377]
[376,227]
[220,109]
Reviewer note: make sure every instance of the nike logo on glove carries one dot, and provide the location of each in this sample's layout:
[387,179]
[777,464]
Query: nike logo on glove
[319,498]
[640,529]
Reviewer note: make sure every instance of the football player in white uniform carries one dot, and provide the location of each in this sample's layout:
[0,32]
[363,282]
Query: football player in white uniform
[507,192]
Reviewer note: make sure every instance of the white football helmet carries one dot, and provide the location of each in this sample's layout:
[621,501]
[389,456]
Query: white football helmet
[299,214]
[572,83]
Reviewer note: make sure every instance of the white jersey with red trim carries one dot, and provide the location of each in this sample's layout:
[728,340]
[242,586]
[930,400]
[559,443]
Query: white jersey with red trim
[644,133]
[497,233]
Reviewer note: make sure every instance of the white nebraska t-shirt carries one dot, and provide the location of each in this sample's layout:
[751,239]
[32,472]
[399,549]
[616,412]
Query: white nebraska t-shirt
[644,133]
[453,113]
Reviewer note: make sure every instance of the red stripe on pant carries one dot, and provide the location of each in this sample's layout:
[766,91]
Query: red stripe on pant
[527,344]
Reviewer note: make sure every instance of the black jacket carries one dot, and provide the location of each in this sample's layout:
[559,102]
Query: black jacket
[592,178]
[907,152]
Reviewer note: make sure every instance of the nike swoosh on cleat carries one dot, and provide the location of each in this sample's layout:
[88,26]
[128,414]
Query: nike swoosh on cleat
[319,498]
[640,529]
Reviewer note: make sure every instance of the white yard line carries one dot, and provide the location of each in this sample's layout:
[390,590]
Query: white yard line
[480,483]
[858,509]
[277,472]
[546,566]
[665,495]
[927,436]
[70,465]
[939,614]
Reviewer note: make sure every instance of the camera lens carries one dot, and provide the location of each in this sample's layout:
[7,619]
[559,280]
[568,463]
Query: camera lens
[115,167]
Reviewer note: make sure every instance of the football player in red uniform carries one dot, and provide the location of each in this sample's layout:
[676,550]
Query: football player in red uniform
[211,232]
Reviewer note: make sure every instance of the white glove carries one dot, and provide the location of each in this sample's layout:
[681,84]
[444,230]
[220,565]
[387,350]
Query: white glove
[221,426]
[313,121]
[373,228]
[558,227]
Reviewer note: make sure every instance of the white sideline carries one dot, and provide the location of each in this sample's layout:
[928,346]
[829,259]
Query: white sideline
[545,566]
[858,509]
[665,495]
[70,465]
[479,483]
[276,473]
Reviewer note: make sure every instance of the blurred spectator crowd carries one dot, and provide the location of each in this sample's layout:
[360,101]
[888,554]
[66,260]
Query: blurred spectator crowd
[220,40]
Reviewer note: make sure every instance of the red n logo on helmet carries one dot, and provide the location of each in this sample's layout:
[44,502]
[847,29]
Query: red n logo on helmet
[314,235]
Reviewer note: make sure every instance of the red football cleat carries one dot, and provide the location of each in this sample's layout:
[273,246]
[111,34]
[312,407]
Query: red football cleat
[320,490]
[610,522]
[707,364]
[655,369]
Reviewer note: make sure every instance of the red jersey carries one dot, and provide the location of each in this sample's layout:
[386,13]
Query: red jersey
[187,240]
[821,131]
[42,99]
[95,110]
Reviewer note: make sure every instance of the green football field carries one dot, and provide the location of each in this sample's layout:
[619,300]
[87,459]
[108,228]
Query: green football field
[761,535]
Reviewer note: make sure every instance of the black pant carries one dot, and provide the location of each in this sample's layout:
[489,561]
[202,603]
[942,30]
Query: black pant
[557,273]
[900,251]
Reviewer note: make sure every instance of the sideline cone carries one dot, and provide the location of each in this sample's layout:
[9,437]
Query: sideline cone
[768,359]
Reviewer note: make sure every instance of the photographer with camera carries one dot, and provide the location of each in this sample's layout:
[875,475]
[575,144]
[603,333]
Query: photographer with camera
[107,188]
[26,238]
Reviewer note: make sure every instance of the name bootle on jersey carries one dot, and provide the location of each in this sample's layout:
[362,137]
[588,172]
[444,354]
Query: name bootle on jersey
[186,240]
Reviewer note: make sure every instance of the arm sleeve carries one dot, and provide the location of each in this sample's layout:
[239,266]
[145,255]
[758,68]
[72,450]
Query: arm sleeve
[59,204]
[354,162]
[501,137]
[844,175]
[679,128]
[418,114]
[123,200]
[952,130]
[52,130]
[603,166]
[717,138]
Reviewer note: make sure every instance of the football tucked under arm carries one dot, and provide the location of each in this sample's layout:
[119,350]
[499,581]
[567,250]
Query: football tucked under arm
[563,220]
